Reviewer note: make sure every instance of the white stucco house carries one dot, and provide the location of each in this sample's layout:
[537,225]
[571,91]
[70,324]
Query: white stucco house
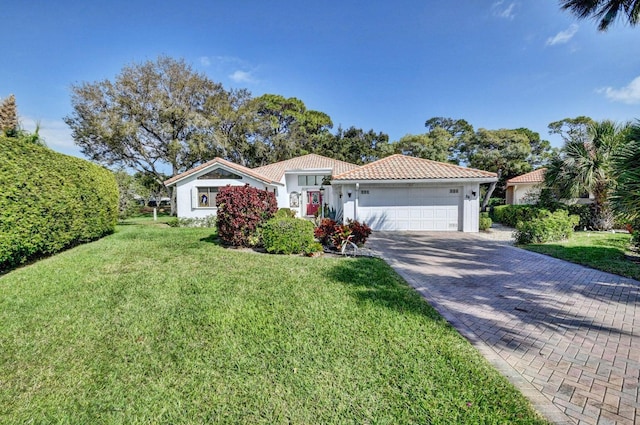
[525,188]
[394,193]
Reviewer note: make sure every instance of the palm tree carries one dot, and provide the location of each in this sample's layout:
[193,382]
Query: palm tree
[606,11]
[626,197]
[587,167]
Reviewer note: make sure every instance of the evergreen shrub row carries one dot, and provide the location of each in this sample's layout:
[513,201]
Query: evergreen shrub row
[546,227]
[50,201]
[510,215]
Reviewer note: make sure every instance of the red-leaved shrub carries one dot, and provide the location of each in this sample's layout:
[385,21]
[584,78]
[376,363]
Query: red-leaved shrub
[325,231]
[241,209]
[329,233]
[360,232]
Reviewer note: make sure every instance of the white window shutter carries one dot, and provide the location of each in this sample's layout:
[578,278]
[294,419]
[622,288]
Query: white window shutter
[194,197]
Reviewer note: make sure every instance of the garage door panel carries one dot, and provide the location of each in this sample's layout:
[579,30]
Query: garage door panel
[410,209]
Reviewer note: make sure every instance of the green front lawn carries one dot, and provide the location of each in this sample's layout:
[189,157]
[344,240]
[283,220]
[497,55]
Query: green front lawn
[599,250]
[161,325]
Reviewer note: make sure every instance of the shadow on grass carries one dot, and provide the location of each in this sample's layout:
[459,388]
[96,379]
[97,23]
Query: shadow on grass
[374,282]
[214,239]
[481,285]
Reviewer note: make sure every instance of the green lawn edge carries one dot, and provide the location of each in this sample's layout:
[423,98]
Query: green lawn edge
[162,325]
[605,251]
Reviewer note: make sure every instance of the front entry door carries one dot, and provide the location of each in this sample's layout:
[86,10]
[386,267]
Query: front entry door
[313,202]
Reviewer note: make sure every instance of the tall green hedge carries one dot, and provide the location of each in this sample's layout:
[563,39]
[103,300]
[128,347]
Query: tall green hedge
[510,215]
[50,201]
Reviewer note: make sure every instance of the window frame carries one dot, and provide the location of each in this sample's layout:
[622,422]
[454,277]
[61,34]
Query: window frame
[211,192]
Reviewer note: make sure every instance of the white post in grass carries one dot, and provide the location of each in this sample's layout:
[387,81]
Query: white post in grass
[155,214]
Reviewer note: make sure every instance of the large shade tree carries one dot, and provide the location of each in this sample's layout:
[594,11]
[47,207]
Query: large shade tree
[458,130]
[437,145]
[604,11]
[504,152]
[152,116]
[585,165]
[286,127]
[358,146]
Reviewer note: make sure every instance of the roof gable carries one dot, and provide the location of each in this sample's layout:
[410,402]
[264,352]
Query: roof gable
[217,162]
[536,176]
[402,167]
[312,161]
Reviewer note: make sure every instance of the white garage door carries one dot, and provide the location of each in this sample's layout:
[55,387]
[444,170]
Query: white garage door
[411,208]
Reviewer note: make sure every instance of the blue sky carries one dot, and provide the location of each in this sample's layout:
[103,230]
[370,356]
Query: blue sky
[386,66]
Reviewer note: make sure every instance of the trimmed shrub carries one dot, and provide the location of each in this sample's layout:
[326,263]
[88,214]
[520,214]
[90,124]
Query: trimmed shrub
[510,215]
[241,209]
[583,211]
[208,221]
[494,202]
[547,227]
[50,201]
[485,221]
[285,213]
[286,235]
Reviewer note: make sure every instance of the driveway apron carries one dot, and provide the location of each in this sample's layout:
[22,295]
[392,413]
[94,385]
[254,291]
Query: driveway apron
[566,335]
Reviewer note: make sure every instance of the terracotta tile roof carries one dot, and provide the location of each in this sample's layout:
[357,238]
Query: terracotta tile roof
[402,167]
[276,170]
[536,176]
[239,168]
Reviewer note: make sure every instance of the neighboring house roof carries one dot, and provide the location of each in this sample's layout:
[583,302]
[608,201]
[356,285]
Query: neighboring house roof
[312,161]
[219,161]
[536,176]
[402,167]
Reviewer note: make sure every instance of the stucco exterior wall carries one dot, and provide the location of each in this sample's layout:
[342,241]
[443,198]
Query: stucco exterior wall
[186,209]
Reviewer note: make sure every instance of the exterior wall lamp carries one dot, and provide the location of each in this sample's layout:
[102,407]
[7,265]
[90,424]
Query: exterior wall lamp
[349,193]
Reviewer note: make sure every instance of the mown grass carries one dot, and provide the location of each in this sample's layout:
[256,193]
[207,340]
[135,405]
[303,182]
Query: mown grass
[600,250]
[161,325]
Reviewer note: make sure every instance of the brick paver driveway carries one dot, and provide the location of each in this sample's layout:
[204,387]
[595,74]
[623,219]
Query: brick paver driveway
[566,335]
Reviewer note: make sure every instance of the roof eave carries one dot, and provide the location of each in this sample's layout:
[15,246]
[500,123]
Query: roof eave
[440,180]
[223,165]
[309,170]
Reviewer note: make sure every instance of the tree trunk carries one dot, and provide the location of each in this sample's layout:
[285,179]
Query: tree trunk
[487,197]
[492,187]
[601,216]
[174,203]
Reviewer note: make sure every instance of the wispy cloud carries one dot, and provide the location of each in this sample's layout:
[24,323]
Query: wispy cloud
[239,76]
[238,70]
[56,134]
[563,36]
[504,10]
[629,94]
